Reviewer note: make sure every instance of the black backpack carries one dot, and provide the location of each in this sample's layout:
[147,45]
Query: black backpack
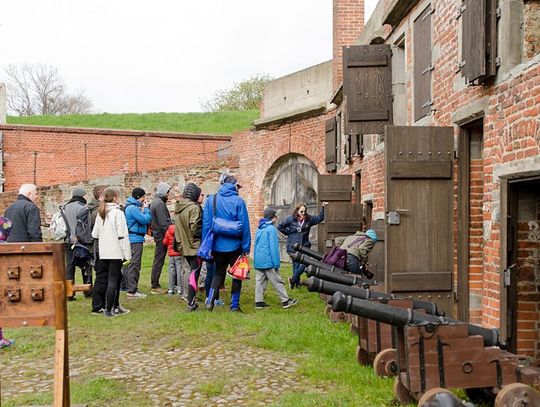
[83,228]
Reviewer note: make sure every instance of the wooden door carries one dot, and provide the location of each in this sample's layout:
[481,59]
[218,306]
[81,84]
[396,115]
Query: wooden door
[419,211]
[342,217]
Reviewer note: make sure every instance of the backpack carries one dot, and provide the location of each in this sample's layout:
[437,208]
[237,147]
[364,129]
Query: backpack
[338,257]
[81,256]
[83,228]
[59,226]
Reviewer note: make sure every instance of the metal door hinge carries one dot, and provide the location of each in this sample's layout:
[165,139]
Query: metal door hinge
[428,69]
[461,10]
[507,275]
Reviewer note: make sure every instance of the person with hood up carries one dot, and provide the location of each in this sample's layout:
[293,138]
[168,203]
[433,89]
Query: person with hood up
[226,249]
[161,219]
[267,262]
[138,218]
[72,209]
[188,221]
[297,227]
[113,239]
[358,247]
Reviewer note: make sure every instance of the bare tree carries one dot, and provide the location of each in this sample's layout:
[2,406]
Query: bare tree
[39,89]
[245,95]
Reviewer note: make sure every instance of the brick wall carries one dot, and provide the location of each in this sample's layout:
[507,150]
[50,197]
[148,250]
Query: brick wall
[348,24]
[205,175]
[52,155]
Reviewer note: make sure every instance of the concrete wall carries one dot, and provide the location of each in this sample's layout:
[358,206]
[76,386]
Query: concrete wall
[298,91]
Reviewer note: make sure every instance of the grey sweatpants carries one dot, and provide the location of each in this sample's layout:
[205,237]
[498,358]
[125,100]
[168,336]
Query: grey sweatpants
[175,274]
[261,282]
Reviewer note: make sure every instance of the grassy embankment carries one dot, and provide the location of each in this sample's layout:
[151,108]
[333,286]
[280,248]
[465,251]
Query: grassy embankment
[325,351]
[213,123]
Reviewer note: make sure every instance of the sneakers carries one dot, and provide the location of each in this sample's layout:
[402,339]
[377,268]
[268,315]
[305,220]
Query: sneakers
[157,290]
[170,292]
[261,305]
[289,303]
[219,303]
[191,308]
[291,283]
[109,314]
[238,309]
[98,312]
[135,295]
[120,310]
[6,343]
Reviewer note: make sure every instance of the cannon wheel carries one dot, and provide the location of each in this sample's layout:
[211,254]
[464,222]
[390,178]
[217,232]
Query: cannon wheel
[362,356]
[402,394]
[385,363]
[430,395]
[517,395]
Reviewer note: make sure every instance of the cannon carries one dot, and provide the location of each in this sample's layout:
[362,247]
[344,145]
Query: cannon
[311,253]
[345,279]
[437,352]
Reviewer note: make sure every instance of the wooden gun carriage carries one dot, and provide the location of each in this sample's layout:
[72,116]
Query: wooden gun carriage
[435,353]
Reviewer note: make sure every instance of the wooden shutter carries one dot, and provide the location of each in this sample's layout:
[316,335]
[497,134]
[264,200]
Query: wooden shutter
[367,85]
[331,147]
[355,141]
[335,188]
[478,39]
[422,64]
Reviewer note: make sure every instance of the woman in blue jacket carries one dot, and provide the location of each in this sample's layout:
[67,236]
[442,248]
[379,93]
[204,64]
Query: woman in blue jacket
[266,261]
[296,227]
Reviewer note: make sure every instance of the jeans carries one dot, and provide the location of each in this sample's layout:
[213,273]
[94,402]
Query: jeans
[298,270]
[157,266]
[175,274]
[210,271]
[222,261]
[353,264]
[133,270]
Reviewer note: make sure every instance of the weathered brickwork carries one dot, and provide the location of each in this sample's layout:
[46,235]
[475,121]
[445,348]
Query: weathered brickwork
[52,155]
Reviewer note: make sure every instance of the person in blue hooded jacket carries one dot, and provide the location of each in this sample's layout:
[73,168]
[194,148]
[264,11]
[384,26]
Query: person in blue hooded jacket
[137,218]
[226,249]
[266,261]
[296,227]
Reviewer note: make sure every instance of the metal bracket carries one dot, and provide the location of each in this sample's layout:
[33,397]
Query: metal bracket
[507,275]
[393,218]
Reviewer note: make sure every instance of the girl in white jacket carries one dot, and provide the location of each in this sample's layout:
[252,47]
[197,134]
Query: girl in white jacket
[112,233]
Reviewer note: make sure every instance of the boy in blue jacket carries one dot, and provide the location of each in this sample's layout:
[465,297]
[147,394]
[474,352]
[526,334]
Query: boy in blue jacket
[266,261]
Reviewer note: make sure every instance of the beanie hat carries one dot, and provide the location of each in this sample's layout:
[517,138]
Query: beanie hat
[372,234]
[191,192]
[269,213]
[229,179]
[79,192]
[162,189]
[138,193]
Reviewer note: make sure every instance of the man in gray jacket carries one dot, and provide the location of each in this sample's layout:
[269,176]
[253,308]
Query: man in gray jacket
[71,210]
[161,219]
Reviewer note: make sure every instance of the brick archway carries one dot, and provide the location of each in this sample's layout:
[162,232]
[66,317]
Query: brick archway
[290,180]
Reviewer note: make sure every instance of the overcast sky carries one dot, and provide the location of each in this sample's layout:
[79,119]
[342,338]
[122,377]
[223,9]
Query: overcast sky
[165,55]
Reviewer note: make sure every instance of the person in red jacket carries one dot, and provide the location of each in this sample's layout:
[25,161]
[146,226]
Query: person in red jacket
[175,263]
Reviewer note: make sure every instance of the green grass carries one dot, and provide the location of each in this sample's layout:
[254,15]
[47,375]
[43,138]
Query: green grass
[212,123]
[328,373]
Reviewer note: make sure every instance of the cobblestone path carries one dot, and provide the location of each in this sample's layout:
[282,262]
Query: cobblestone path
[214,375]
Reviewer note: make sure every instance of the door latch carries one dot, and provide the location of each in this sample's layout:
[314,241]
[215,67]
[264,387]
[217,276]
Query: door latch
[507,275]
[393,218]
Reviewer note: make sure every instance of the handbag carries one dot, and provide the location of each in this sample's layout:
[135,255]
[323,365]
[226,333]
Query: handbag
[240,268]
[337,256]
[225,227]
[205,249]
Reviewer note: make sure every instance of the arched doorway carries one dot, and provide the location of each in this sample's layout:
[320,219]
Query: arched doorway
[290,180]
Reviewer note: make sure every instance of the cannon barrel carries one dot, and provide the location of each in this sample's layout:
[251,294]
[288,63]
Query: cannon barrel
[310,261]
[311,253]
[327,287]
[345,279]
[400,317]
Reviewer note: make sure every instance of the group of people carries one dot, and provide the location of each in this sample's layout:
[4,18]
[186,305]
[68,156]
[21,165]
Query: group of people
[118,234]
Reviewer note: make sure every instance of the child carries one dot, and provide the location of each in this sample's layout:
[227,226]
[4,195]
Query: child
[266,261]
[5,229]
[175,264]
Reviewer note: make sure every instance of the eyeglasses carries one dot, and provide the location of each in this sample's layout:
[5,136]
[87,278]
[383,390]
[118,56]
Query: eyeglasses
[301,211]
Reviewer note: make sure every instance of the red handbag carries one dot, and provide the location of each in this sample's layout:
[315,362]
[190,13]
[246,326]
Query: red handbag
[240,268]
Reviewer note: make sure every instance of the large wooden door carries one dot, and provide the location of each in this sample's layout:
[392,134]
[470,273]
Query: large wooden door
[342,217]
[419,211]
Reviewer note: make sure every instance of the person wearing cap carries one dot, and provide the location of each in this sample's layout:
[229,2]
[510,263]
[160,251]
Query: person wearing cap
[187,232]
[266,261]
[72,209]
[25,217]
[226,249]
[137,218]
[161,219]
[358,247]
